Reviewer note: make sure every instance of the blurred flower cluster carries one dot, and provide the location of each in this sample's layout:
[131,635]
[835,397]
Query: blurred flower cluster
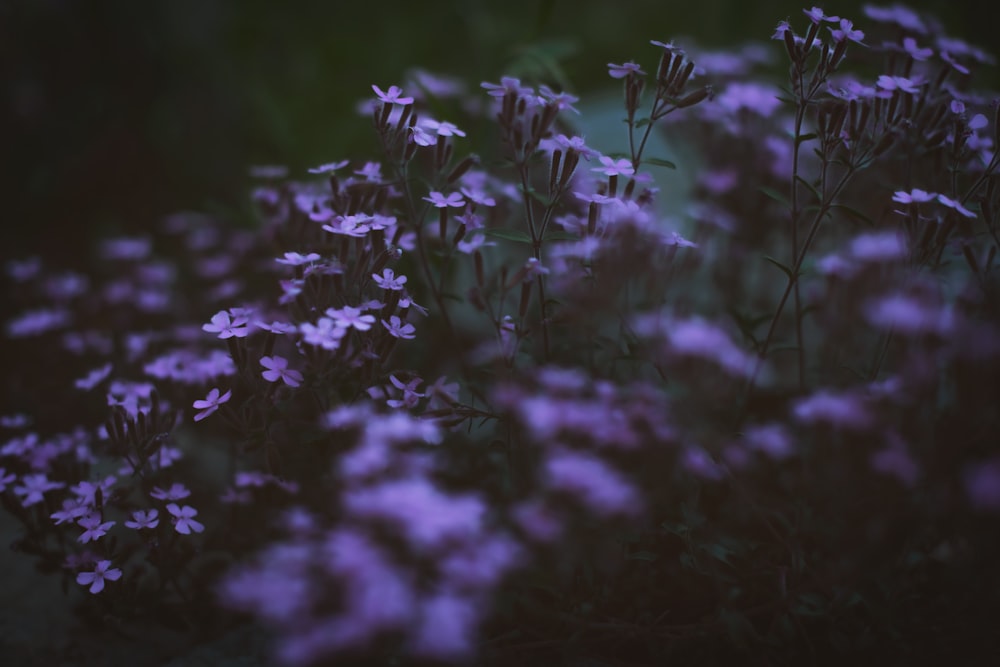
[437,407]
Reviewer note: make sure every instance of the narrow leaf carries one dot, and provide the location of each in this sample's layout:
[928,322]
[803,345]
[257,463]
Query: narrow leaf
[660,162]
[517,235]
[775,195]
[784,269]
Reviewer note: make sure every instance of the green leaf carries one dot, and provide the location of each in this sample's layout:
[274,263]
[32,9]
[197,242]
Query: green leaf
[517,235]
[642,122]
[854,213]
[648,556]
[775,195]
[807,137]
[784,269]
[561,236]
[810,187]
[660,162]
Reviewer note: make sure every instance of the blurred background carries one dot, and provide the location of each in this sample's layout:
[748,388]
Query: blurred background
[116,112]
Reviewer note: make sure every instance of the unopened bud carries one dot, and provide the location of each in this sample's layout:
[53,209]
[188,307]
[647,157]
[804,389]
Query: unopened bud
[694,98]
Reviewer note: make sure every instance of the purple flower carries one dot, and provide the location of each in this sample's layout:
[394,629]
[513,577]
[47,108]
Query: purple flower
[297,259]
[347,317]
[901,83]
[956,205]
[847,31]
[603,490]
[410,394]
[911,47]
[427,516]
[612,167]
[843,410]
[93,378]
[177,491]
[817,16]
[398,329]
[441,128]
[277,369]
[210,403]
[878,247]
[95,579]
[389,280]
[329,167]
[392,96]
[326,333]
[439,200]
[624,70]
[141,520]
[226,326]
[34,487]
[915,196]
[72,509]
[447,629]
[95,528]
[184,522]
[900,15]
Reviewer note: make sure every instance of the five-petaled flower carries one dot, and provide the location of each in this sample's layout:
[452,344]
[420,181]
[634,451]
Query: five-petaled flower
[439,200]
[184,522]
[847,31]
[389,280]
[612,167]
[397,328]
[392,96]
[277,369]
[226,326]
[102,571]
[210,403]
[94,527]
[914,196]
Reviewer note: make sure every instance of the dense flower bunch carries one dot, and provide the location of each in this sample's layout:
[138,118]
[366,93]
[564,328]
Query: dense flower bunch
[437,411]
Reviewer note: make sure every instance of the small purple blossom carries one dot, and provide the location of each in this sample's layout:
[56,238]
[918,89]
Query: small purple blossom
[33,488]
[227,326]
[846,31]
[210,403]
[392,96]
[439,200]
[95,579]
[612,167]
[177,491]
[94,527]
[389,280]
[184,522]
[624,70]
[956,205]
[144,520]
[398,329]
[915,196]
[277,369]
[817,16]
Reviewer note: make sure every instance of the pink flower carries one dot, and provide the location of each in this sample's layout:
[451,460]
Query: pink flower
[184,521]
[95,579]
[210,403]
[277,369]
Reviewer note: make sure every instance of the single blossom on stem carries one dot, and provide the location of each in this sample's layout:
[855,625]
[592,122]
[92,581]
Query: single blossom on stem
[184,522]
[95,579]
[277,369]
[210,403]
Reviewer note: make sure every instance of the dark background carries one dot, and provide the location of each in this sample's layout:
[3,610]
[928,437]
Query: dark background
[118,111]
